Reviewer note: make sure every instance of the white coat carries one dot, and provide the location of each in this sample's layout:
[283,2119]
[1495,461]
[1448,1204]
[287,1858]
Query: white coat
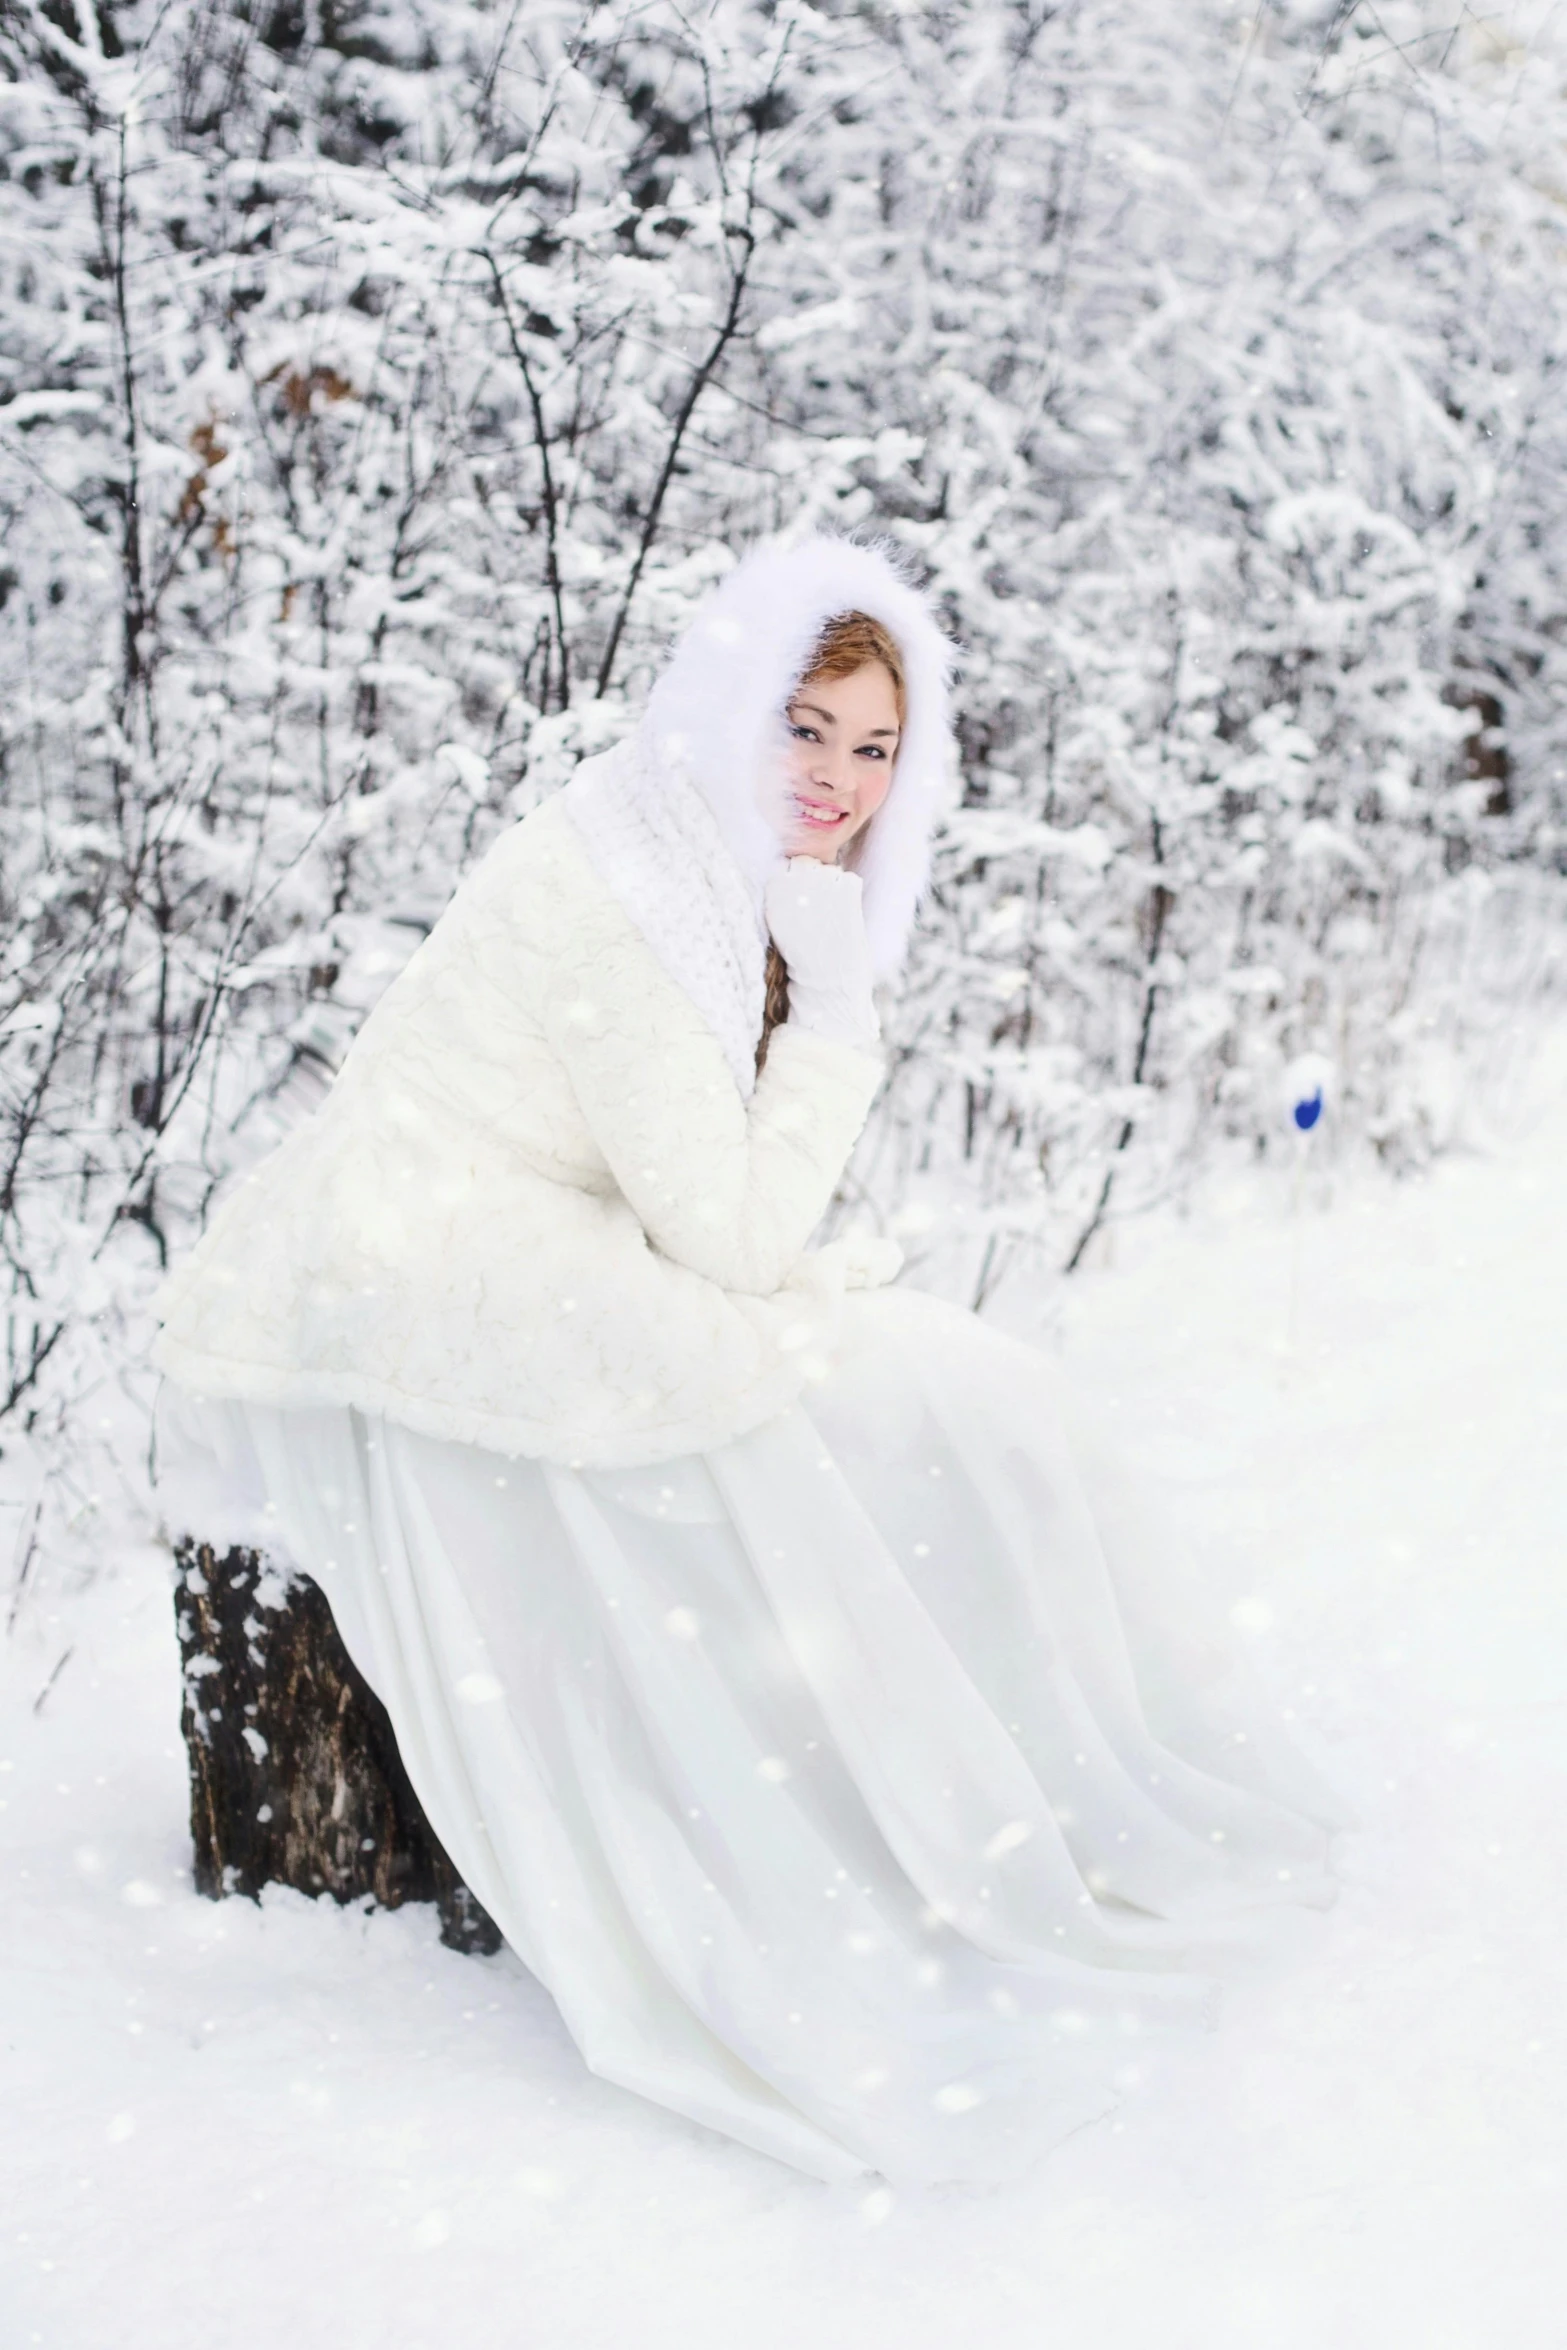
[546,1207]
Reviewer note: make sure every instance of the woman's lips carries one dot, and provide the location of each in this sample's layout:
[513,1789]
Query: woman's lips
[823,818]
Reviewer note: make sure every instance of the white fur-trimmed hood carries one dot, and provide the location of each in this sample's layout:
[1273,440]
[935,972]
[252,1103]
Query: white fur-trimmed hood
[716,712]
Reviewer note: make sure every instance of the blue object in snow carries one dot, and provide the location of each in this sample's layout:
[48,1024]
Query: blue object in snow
[1307,1112]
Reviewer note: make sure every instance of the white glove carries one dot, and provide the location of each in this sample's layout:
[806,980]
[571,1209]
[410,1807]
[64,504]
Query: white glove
[817,922]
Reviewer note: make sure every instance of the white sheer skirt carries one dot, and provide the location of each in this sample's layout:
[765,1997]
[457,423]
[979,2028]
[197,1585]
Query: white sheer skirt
[869,1789]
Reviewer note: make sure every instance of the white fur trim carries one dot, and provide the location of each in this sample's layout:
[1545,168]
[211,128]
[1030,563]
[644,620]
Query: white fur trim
[716,713]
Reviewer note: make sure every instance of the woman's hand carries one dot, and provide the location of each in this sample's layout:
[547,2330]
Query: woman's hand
[817,920]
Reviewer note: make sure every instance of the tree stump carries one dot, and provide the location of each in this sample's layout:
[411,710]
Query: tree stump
[295,1777]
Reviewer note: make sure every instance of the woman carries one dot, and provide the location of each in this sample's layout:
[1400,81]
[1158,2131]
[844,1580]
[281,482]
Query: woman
[747,1631]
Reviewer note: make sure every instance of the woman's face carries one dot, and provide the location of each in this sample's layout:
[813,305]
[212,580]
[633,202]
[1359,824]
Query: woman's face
[843,737]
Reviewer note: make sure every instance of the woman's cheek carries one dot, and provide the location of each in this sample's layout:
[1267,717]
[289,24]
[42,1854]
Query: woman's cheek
[871,794]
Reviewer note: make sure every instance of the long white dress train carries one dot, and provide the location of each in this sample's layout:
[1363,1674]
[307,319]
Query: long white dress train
[862,1788]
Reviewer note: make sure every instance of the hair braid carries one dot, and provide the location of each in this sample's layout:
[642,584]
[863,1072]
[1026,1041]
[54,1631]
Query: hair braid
[775,1002]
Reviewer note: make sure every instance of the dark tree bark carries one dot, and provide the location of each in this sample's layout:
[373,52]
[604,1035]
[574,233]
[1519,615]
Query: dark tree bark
[295,1777]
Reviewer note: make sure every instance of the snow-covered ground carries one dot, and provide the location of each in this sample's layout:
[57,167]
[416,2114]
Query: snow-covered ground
[295,2128]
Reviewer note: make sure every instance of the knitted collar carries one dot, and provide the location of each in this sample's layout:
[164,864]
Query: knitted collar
[656,844]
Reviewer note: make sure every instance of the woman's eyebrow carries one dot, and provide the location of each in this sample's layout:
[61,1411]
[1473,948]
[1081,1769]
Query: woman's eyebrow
[816,710]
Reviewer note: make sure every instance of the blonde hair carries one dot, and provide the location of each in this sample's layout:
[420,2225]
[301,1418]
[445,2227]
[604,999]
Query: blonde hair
[848,642]
[851,641]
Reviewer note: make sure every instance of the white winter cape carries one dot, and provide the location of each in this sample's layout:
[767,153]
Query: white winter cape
[547,1208]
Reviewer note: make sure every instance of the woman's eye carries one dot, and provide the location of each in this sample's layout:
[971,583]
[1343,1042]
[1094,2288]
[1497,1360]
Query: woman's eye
[805,734]
[872,751]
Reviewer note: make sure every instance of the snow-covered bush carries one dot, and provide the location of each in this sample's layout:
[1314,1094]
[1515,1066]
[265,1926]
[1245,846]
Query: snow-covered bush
[1227,362]
[381,385]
